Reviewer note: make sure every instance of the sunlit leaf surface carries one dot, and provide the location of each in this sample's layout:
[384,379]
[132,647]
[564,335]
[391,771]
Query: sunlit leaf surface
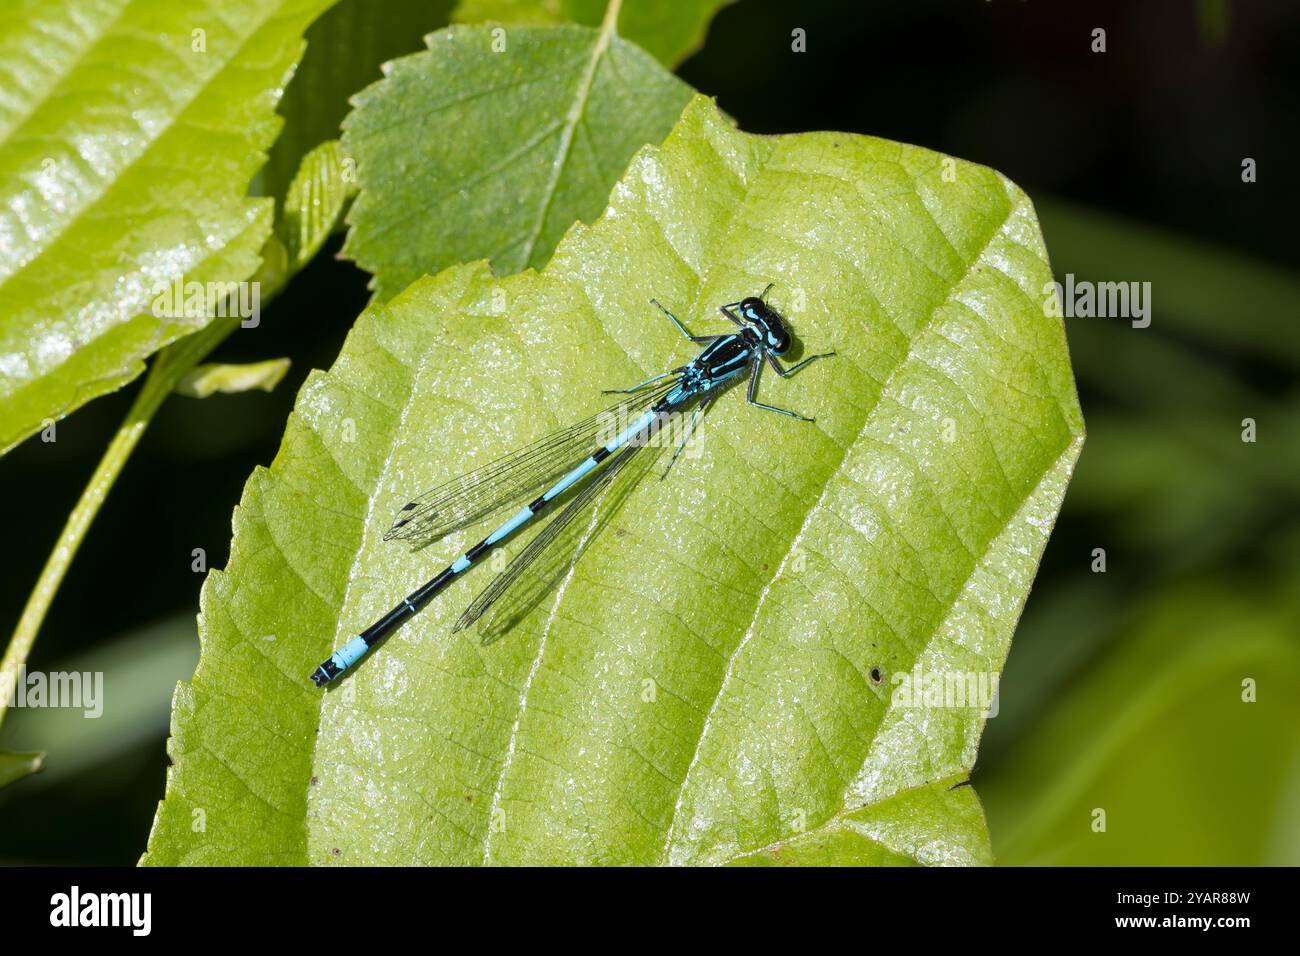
[715,679]
[491,147]
[128,135]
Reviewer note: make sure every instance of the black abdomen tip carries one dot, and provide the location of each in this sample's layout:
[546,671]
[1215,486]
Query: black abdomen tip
[324,674]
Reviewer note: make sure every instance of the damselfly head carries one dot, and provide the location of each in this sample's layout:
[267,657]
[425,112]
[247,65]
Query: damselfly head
[768,322]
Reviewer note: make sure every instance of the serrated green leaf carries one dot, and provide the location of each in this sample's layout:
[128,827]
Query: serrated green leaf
[15,766]
[204,380]
[128,135]
[315,201]
[669,31]
[465,153]
[345,49]
[713,678]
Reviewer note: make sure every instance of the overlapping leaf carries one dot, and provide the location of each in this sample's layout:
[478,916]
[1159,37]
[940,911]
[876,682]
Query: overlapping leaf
[669,31]
[314,203]
[128,135]
[713,681]
[493,142]
[345,49]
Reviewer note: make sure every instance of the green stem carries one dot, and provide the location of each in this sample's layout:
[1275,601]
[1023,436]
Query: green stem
[610,22]
[172,364]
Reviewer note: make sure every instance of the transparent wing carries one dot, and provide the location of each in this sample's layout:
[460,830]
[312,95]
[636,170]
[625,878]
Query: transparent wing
[477,494]
[538,568]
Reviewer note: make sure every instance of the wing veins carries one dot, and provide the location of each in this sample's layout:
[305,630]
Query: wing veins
[469,497]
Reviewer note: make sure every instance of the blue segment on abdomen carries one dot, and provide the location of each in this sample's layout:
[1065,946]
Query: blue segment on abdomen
[349,653]
[577,474]
[628,433]
[523,515]
[567,481]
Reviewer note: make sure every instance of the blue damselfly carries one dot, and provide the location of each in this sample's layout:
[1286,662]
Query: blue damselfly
[567,458]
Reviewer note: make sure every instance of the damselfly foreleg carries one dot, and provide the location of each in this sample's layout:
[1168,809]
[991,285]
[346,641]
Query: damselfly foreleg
[757,367]
[690,428]
[787,372]
[700,339]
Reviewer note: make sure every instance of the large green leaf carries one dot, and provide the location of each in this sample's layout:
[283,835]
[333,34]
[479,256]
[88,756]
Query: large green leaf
[128,135]
[712,680]
[465,153]
[670,31]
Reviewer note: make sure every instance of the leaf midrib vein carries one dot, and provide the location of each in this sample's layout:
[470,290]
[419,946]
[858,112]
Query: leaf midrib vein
[571,120]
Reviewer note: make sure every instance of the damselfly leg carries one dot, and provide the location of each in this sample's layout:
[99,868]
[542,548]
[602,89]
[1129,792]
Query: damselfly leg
[641,385]
[690,428]
[757,368]
[699,339]
[787,372]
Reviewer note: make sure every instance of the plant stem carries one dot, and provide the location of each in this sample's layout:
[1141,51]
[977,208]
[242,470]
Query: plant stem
[171,365]
[610,22]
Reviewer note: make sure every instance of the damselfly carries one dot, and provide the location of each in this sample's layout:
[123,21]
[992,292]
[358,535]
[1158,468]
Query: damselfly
[565,458]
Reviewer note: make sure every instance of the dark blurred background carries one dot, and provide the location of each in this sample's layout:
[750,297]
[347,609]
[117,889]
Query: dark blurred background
[1124,689]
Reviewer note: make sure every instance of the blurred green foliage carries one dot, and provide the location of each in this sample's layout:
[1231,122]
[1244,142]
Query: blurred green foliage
[1162,691]
[1186,733]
